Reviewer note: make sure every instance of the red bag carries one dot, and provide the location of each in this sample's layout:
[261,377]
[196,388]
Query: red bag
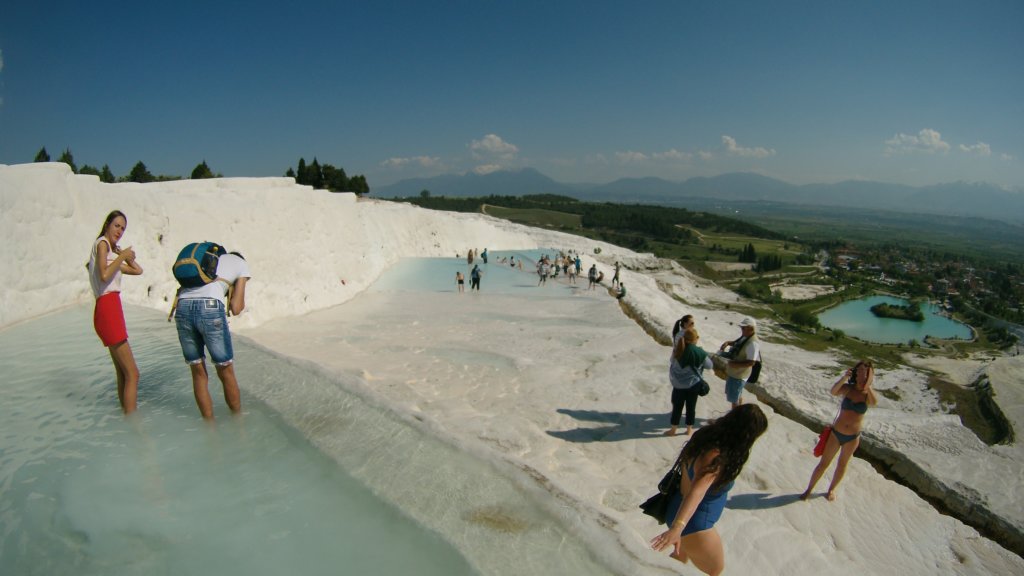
[819,448]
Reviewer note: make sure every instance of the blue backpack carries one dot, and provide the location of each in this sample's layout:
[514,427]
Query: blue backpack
[196,264]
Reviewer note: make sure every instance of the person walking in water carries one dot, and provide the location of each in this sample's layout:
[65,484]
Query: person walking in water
[474,277]
[107,262]
[856,388]
[202,323]
[711,461]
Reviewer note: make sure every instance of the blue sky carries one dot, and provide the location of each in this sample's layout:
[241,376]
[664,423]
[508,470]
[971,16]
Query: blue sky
[584,91]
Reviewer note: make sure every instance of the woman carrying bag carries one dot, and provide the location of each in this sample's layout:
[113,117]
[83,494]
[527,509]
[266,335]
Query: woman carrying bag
[710,462]
[685,372]
[855,386]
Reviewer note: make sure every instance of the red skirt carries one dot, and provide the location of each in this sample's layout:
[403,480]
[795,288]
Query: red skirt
[108,319]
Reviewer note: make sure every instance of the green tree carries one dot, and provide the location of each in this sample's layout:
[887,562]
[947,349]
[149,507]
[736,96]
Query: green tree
[140,174]
[202,171]
[424,193]
[86,169]
[68,159]
[42,155]
[335,179]
[300,173]
[804,317]
[315,177]
[106,175]
[358,184]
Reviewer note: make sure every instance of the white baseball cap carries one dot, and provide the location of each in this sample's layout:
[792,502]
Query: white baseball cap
[748,321]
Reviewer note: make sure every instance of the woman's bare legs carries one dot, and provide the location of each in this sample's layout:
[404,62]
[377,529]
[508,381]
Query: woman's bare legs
[704,548]
[831,448]
[127,375]
[844,458]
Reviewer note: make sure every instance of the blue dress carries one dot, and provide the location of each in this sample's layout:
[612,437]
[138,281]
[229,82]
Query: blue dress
[708,511]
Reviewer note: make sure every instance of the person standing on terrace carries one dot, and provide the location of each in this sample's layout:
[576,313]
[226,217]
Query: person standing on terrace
[856,388]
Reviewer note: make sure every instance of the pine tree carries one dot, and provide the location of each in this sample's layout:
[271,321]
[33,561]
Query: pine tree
[106,175]
[68,159]
[42,155]
[315,177]
[202,171]
[140,174]
[300,174]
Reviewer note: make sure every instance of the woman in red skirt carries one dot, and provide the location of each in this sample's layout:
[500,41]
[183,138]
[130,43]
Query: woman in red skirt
[107,263]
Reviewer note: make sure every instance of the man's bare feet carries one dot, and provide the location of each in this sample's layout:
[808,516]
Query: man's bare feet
[805,495]
[670,432]
[689,430]
[831,496]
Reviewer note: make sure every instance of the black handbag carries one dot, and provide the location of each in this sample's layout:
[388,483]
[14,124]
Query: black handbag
[755,372]
[703,387]
[657,506]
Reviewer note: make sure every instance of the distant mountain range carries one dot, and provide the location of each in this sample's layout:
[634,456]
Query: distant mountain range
[952,199]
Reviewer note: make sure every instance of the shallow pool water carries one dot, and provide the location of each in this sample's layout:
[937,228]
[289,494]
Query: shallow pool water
[311,479]
[84,490]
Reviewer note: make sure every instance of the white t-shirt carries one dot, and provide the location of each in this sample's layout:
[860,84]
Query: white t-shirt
[99,287]
[751,351]
[230,267]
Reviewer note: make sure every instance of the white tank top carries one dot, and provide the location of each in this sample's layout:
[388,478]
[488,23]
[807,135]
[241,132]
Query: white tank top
[99,287]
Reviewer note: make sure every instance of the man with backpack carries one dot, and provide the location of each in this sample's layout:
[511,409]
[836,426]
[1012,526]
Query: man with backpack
[201,319]
[743,353]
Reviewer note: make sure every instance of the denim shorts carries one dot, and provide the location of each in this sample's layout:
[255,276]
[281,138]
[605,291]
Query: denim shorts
[733,389]
[202,322]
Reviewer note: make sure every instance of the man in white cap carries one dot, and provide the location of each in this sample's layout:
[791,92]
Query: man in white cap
[742,354]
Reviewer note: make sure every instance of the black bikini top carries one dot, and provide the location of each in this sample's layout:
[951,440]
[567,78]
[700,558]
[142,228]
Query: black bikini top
[858,407]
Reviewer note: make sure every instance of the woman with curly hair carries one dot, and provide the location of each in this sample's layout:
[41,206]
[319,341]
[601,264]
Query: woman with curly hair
[855,386]
[712,460]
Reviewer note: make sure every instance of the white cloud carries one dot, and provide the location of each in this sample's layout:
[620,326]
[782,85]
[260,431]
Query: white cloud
[630,157]
[668,156]
[487,169]
[673,155]
[736,150]
[493,147]
[980,149]
[705,156]
[1006,157]
[420,161]
[926,141]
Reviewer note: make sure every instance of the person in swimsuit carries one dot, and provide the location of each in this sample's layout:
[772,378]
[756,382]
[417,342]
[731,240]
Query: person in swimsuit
[713,458]
[107,262]
[855,386]
[461,281]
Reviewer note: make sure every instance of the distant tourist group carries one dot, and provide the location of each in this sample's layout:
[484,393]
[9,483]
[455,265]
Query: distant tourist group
[568,264]
[715,454]
[212,285]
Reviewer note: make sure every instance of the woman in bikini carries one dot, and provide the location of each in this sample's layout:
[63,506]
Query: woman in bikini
[855,386]
[107,262]
[712,460]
